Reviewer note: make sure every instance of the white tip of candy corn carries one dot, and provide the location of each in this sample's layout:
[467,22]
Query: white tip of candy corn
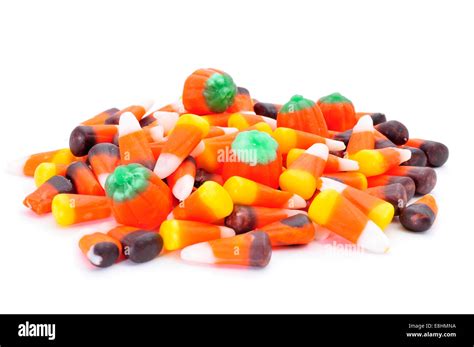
[128,124]
[178,106]
[228,130]
[102,178]
[321,233]
[199,253]
[157,133]
[327,183]
[347,164]
[94,258]
[198,149]
[170,216]
[166,119]
[183,187]
[405,154]
[319,150]
[365,123]
[166,164]
[335,145]
[270,121]
[226,232]
[15,167]
[147,104]
[296,202]
[373,239]
[291,213]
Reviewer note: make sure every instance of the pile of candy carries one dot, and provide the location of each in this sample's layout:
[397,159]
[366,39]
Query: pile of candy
[225,178]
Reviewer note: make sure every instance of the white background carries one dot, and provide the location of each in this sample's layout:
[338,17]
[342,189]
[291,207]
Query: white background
[62,62]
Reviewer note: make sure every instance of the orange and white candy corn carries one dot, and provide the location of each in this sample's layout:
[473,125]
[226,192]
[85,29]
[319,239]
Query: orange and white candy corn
[247,192]
[373,162]
[301,176]
[181,182]
[250,249]
[178,234]
[209,203]
[378,210]
[362,136]
[332,210]
[133,144]
[183,139]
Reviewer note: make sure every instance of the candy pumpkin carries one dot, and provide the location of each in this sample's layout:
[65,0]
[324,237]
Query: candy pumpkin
[138,197]
[302,114]
[208,91]
[338,112]
[254,155]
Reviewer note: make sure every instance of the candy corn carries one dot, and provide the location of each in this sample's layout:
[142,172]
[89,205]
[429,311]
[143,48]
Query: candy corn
[394,131]
[250,249]
[333,211]
[377,118]
[213,147]
[247,192]
[59,156]
[224,178]
[71,209]
[176,106]
[246,218]
[209,203]
[436,153]
[379,211]
[333,164]
[220,119]
[301,177]
[381,141]
[267,109]
[40,200]
[137,245]
[138,111]
[289,138]
[204,176]
[353,179]
[362,136]
[418,157]
[100,249]
[420,215]
[186,135]
[219,131]
[83,137]
[45,171]
[103,159]
[83,179]
[242,101]
[101,117]
[384,180]
[243,121]
[134,147]
[167,120]
[178,234]
[395,194]
[295,230]
[424,177]
[181,181]
[373,162]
